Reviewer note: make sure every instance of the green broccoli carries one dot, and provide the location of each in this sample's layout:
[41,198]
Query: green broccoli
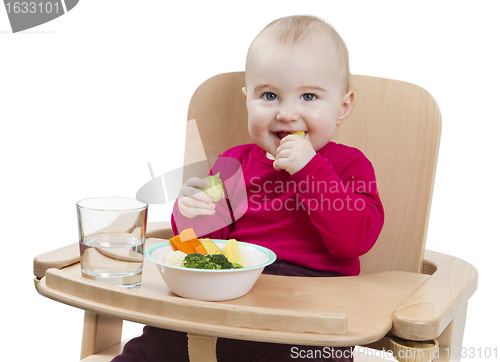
[193,260]
[221,260]
[212,261]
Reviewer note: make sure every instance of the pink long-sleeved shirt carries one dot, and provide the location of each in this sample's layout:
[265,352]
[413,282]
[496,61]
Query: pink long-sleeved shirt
[323,217]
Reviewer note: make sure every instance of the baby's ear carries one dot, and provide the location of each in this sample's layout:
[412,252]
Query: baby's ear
[346,107]
[244,91]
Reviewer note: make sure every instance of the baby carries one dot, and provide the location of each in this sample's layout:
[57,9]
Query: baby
[312,201]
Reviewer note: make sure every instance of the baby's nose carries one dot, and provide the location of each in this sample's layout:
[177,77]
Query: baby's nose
[287,114]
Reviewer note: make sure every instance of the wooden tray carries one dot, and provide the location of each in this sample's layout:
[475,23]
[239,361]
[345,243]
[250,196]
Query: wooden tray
[342,311]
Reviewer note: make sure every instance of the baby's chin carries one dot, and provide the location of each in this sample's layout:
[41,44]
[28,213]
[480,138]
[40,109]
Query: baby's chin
[269,150]
[271,154]
[263,142]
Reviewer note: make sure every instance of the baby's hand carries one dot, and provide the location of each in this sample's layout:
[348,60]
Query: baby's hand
[293,154]
[192,201]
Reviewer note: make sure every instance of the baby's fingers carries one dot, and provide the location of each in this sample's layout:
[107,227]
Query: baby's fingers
[190,189]
[196,194]
[196,182]
[280,164]
[190,207]
[202,208]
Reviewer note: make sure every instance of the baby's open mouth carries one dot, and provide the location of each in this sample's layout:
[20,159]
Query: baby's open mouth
[282,134]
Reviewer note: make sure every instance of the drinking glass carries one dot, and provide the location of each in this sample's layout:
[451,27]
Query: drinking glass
[112,232]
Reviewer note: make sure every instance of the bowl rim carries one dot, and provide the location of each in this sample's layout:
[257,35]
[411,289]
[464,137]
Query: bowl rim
[269,253]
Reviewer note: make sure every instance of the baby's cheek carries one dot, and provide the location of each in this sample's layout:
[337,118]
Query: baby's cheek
[257,128]
[254,131]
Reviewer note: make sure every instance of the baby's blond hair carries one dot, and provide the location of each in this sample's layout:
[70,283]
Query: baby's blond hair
[295,29]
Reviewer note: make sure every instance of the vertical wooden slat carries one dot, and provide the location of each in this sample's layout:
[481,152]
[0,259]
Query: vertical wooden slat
[99,333]
[450,341]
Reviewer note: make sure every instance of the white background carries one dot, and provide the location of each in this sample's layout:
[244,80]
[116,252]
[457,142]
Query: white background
[88,99]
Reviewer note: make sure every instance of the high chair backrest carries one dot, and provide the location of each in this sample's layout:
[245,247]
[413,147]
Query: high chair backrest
[397,125]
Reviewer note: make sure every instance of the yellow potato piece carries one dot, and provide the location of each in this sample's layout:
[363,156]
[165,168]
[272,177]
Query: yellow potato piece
[233,252]
[300,133]
[211,247]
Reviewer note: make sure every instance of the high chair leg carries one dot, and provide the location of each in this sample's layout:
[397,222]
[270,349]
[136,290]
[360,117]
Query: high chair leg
[450,341]
[99,333]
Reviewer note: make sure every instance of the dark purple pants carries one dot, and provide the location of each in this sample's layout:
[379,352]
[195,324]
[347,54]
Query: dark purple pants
[158,345]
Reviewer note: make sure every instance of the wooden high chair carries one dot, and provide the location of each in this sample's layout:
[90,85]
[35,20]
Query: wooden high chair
[403,291]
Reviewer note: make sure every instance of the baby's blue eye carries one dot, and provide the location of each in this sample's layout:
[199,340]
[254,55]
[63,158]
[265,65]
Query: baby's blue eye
[308,97]
[270,96]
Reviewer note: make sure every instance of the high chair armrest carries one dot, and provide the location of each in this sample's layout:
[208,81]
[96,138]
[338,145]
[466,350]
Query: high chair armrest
[59,258]
[438,301]
[159,230]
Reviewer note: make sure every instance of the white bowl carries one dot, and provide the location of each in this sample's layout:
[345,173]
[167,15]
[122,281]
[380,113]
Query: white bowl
[212,285]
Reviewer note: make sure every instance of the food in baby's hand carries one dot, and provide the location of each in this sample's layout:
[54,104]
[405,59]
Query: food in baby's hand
[211,247]
[214,187]
[300,133]
[175,258]
[214,261]
[233,253]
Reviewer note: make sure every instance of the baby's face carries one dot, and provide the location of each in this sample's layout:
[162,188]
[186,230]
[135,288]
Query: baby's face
[293,88]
